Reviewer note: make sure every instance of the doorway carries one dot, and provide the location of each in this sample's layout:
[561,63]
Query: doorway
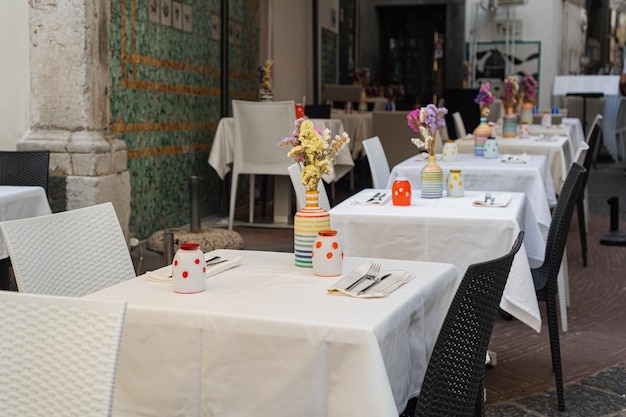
[412,52]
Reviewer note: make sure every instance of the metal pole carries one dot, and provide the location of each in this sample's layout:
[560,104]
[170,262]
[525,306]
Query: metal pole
[168,247]
[194,203]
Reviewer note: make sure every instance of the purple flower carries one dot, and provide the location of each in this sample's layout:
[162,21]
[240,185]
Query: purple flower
[484,97]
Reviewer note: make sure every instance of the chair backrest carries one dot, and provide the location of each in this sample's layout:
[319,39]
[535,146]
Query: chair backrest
[62,355]
[322,199]
[593,142]
[72,253]
[259,127]
[342,93]
[395,135]
[559,226]
[317,111]
[453,384]
[24,168]
[379,167]
[459,125]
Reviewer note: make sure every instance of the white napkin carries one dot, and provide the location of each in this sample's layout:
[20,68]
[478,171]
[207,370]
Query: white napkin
[165,274]
[373,200]
[499,200]
[515,159]
[380,290]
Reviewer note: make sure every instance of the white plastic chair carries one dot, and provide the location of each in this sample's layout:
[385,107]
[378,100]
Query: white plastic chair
[72,253]
[379,167]
[322,199]
[61,355]
[259,127]
[459,125]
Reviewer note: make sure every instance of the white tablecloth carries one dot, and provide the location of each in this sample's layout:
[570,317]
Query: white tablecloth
[20,203]
[479,173]
[449,230]
[223,149]
[265,339]
[359,126]
[560,152]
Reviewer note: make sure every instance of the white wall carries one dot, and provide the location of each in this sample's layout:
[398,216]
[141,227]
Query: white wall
[14,73]
[542,21]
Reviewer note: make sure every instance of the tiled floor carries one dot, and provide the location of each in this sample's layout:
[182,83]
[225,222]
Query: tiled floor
[594,348]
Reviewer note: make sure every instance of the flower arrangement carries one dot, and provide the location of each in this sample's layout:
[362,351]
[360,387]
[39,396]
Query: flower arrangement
[426,121]
[361,76]
[394,92]
[484,99]
[265,75]
[314,150]
[528,87]
[511,88]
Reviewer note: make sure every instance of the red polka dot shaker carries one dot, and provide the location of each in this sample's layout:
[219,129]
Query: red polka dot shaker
[327,254]
[188,269]
[401,192]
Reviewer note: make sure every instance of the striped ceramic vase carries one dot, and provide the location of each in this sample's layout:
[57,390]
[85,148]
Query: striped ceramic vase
[307,222]
[432,179]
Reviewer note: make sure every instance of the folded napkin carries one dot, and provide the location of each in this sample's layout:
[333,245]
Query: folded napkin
[377,199]
[165,274]
[515,159]
[496,200]
[382,289]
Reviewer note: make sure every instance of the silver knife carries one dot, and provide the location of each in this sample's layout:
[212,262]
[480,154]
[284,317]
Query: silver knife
[374,197]
[372,284]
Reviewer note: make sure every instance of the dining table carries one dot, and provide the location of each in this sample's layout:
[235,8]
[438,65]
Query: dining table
[449,229]
[529,175]
[359,126]
[222,156]
[19,202]
[557,148]
[267,338]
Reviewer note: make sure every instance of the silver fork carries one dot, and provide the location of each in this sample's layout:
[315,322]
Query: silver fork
[371,274]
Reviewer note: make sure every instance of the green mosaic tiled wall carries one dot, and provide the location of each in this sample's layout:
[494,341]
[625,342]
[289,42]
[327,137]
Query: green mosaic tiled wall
[165,98]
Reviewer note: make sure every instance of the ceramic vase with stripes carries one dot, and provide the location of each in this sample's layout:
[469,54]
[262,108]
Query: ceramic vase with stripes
[481,133]
[509,125]
[307,223]
[432,179]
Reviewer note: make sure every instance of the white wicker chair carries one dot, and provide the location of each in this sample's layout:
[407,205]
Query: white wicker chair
[72,253]
[379,167]
[259,126]
[61,355]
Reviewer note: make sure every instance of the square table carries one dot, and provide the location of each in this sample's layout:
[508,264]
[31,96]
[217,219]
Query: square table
[532,178]
[448,229]
[266,339]
[559,151]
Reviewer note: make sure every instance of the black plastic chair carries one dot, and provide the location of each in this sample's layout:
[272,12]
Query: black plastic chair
[27,168]
[24,168]
[454,380]
[592,141]
[545,277]
[317,111]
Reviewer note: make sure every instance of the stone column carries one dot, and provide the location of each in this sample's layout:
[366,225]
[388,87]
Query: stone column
[69,105]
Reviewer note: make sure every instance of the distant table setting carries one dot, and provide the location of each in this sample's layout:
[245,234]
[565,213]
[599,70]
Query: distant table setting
[267,338]
[557,148]
[524,173]
[449,230]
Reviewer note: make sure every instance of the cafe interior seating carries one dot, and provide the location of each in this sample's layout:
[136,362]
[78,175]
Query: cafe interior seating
[339,94]
[259,126]
[62,355]
[298,187]
[71,253]
[395,135]
[454,380]
[545,276]
[377,160]
[459,125]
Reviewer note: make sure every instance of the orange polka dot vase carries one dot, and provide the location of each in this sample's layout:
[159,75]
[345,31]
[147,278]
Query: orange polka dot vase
[327,254]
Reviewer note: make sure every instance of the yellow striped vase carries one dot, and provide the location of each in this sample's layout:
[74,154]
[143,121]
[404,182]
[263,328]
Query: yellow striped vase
[307,222]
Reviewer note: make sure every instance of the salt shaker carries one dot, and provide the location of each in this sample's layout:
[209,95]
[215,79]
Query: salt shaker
[188,269]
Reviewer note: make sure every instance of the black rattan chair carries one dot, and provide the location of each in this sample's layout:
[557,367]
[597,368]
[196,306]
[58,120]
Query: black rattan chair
[21,168]
[545,277]
[454,380]
[592,141]
[24,168]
